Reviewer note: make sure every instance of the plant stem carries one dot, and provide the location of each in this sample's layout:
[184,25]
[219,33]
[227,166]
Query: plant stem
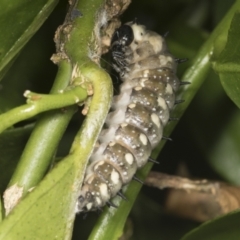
[45,137]
[89,69]
[57,194]
[38,103]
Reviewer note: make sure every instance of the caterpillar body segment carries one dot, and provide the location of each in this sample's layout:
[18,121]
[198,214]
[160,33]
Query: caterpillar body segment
[135,124]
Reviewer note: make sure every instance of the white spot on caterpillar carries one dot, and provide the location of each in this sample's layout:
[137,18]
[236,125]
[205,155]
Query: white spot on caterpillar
[124,125]
[115,177]
[89,179]
[170,59]
[89,206]
[156,119]
[98,164]
[132,105]
[162,103]
[169,89]
[111,144]
[98,200]
[163,59]
[138,32]
[142,81]
[143,139]
[138,88]
[129,158]
[145,73]
[103,190]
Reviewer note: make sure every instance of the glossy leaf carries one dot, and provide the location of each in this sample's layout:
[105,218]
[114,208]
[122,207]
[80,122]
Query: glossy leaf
[48,211]
[218,144]
[226,227]
[225,153]
[228,64]
[26,74]
[19,20]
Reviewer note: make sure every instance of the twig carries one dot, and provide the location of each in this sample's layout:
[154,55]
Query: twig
[200,200]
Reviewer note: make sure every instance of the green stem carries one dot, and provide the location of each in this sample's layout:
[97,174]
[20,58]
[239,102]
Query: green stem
[86,137]
[44,139]
[111,222]
[38,103]
[65,179]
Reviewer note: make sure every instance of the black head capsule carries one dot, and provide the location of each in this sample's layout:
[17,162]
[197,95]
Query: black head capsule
[123,36]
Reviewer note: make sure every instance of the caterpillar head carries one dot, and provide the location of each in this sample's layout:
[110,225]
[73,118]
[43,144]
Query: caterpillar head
[125,39]
[126,34]
[132,43]
[122,37]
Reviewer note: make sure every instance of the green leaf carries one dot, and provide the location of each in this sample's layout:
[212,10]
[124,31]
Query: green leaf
[48,211]
[34,75]
[226,227]
[228,64]
[219,9]
[217,144]
[12,143]
[19,20]
[225,154]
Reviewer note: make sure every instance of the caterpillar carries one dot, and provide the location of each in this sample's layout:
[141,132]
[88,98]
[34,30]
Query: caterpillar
[135,124]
